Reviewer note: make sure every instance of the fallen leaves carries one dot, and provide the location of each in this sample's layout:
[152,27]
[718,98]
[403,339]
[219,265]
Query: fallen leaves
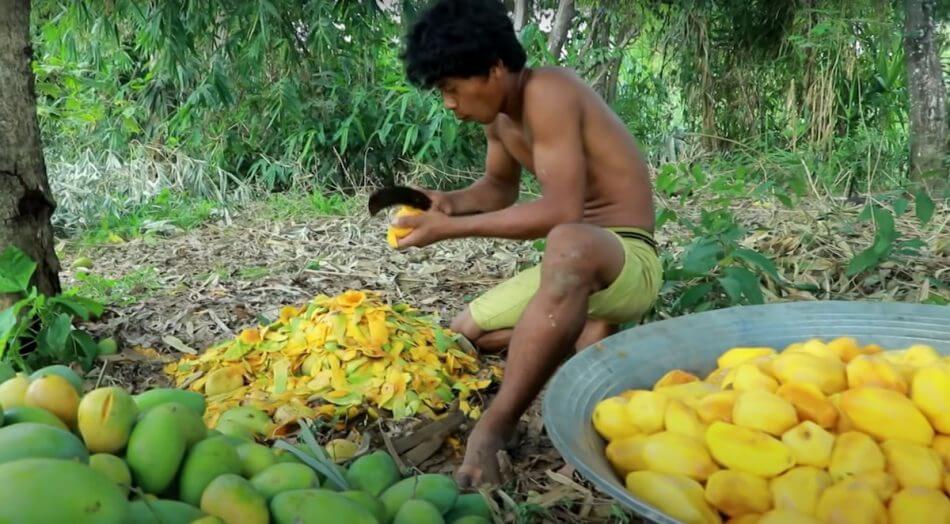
[338,356]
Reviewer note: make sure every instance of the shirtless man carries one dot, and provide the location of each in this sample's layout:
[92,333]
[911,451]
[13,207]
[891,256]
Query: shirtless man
[600,267]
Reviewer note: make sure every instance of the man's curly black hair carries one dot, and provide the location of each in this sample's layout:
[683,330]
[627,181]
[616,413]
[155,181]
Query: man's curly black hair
[462,38]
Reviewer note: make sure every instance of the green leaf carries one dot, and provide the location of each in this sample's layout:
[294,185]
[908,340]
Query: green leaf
[442,342]
[923,206]
[81,307]
[732,287]
[52,338]
[693,295]
[16,268]
[900,206]
[7,326]
[760,261]
[862,262]
[701,257]
[749,282]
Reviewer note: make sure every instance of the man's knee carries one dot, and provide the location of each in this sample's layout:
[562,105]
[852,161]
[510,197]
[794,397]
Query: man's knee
[566,265]
[465,324]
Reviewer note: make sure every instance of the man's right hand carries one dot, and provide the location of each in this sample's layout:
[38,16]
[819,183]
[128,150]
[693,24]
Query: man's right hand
[441,201]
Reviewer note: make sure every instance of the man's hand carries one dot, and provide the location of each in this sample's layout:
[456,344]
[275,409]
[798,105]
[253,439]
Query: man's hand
[441,200]
[427,228]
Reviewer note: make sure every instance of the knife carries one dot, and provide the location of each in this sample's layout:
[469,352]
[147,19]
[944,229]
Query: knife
[398,195]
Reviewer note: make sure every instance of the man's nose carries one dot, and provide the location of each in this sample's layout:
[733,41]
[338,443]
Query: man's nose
[449,103]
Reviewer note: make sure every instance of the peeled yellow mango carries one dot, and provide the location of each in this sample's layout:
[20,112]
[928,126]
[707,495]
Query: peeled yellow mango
[874,370]
[748,450]
[718,376]
[815,347]
[826,373]
[764,411]
[810,444]
[748,518]
[930,391]
[851,503]
[675,377]
[844,423]
[737,355]
[886,414]
[918,505]
[941,445]
[689,393]
[913,465]
[677,454]
[749,377]
[717,406]
[681,419]
[916,355]
[882,483]
[946,482]
[854,453]
[799,489]
[646,410]
[847,348]
[678,496]
[736,493]
[784,516]
[625,454]
[610,419]
[809,403]
[394,233]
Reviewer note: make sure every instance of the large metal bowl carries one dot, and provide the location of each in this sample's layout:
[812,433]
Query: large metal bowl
[637,357]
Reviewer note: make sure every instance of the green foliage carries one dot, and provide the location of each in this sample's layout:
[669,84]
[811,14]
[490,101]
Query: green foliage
[167,211]
[37,330]
[123,291]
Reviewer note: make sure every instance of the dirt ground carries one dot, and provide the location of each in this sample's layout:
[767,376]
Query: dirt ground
[212,281]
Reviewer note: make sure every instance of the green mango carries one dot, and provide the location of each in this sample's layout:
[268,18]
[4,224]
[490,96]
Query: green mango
[254,458]
[34,440]
[233,499]
[417,511]
[256,420]
[205,461]
[317,505]
[208,519]
[18,414]
[113,467]
[438,490]
[469,504]
[55,490]
[468,519]
[192,425]
[368,502]
[235,430]
[284,476]
[64,371]
[162,511]
[373,473]
[155,450]
[147,400]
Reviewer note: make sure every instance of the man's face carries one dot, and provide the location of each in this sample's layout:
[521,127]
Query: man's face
[476,98]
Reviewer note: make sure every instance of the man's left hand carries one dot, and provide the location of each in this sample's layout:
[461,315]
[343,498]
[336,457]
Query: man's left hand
[427,228]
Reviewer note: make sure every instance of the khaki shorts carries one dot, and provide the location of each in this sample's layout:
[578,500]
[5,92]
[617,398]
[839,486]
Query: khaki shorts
[626,299]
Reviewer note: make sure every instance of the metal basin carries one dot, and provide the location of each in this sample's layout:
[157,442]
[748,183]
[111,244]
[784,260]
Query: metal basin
[637,357]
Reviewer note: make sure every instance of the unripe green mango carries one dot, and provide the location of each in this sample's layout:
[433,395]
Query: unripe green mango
[439,490]
[315,505]
[373,473]
[147,400]
[18,414]
[155,450]
[53,490]
[113,467]
[34,440]
[285,476]
[205,461]
[231,498]
[418,511]
[162,511]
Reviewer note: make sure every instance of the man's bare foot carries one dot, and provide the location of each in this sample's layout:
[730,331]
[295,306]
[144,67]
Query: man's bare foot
[480,465]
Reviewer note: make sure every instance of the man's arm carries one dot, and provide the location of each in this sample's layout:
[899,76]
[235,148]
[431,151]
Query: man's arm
[497,189]
[553,114]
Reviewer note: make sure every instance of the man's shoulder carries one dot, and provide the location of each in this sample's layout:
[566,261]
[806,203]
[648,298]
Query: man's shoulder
[552,87]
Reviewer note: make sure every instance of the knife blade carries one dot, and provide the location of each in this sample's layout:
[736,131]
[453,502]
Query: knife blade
[398,195]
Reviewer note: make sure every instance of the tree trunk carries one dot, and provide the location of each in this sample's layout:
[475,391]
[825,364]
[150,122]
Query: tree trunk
[928,117]
[562,24]
[26,203]
[522,14]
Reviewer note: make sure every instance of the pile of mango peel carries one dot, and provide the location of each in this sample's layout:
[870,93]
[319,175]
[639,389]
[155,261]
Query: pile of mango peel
[335,358]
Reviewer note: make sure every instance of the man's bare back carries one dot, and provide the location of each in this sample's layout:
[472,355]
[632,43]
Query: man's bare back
[618,188]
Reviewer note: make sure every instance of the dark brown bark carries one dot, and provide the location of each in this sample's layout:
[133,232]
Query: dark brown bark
[26,203]
[562,24]
[522,16]
[928,116]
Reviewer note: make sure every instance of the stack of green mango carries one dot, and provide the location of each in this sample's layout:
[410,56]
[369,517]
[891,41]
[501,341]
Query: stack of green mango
[109,457]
